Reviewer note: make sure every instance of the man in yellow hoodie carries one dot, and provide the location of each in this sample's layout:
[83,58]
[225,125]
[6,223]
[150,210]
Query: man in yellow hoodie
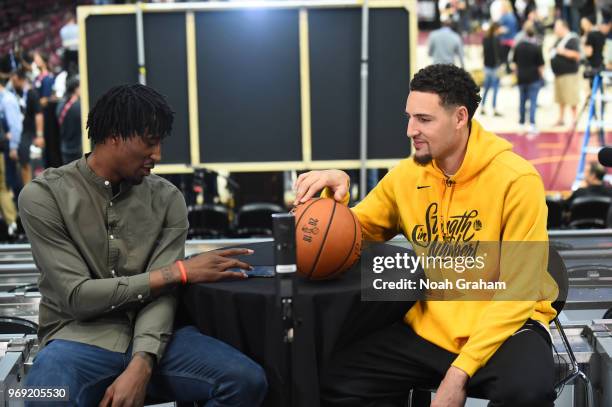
[463,185]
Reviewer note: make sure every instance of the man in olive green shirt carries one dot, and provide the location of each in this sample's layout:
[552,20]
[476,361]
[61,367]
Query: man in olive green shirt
[106,236]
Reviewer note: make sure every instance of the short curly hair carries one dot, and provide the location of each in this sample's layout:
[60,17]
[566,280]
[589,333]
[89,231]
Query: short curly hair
[453,85]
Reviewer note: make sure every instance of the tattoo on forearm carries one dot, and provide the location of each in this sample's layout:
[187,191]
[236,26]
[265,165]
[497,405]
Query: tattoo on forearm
[147,357]
[167,275]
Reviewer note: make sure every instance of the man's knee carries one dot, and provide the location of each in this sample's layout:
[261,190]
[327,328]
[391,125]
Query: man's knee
[534,394]
[50,366]
[248,381]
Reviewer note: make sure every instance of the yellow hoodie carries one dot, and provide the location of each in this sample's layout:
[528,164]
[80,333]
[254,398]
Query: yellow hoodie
[494,196]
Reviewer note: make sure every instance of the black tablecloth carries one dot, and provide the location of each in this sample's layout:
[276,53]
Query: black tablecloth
[246,315]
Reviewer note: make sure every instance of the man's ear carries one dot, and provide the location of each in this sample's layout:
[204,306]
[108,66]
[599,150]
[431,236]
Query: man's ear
[114,140]
[461,117]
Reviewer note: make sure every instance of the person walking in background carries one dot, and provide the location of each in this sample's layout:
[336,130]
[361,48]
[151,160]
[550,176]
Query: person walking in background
[492,61]
[32,128]
[70,42]
[69,119]
[44,78]
[509,28]
[564,63]
[445,45]
[529,63]
[593,41]
[11,115]
[538,28]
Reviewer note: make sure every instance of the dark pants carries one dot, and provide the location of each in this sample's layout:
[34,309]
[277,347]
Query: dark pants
[195,367]
[380,369]
[13,176]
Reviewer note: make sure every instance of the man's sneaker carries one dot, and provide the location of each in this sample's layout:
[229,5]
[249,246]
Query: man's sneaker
[12,229]
[532,132]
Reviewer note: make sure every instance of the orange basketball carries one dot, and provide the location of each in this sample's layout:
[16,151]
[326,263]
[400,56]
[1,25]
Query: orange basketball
[328,238]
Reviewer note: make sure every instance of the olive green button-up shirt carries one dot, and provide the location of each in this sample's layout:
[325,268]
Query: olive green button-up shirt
[94,251]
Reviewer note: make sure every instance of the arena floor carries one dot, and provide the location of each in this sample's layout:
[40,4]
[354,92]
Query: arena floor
[546,150]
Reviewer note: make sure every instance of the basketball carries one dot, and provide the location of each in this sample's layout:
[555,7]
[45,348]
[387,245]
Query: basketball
[328,238]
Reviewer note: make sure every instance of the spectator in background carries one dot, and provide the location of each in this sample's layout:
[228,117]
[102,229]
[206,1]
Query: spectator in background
[445,45]
[69,119]
[32,129]
[495,10]
[529,63]
[457,12]
[11,115]
[70,42]
[606,29]
[44,79]
[492,62]
[538,29]
[594,185]
[44,85]
[509,28]
[564,63]
[594,41]
[570,12]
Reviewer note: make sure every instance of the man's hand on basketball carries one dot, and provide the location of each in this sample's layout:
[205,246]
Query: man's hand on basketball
[451,392]
[310,183]
[212,266]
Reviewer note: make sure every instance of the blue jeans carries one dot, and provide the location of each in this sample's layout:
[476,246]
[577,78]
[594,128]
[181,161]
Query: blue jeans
[195,367]
[529,92]
[491,81]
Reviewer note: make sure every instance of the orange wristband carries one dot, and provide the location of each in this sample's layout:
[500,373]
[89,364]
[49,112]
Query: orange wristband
[181,268]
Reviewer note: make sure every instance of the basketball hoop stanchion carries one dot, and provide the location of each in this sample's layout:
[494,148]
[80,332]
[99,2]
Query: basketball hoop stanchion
[283,225]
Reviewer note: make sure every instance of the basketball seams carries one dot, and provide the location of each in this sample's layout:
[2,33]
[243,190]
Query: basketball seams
[352,246]
[323,240]
[305,209]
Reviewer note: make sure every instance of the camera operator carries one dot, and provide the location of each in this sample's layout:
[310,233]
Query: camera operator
[594,41]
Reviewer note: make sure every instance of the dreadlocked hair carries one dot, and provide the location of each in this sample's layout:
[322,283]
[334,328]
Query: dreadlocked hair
[127,111]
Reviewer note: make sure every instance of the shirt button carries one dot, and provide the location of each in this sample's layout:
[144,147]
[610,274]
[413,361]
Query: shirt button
[140,296]
[113,273]
[106,183]
[112,307]
[110,203]
[111,237]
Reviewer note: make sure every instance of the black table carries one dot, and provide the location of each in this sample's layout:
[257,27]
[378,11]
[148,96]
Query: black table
[246,315]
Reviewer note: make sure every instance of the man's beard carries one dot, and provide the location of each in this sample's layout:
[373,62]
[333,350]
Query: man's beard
[422,160]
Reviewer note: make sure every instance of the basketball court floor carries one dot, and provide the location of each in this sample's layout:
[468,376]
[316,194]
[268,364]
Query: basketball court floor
[545,151]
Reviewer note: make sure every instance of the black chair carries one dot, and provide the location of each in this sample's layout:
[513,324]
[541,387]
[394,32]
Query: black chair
[589,212]
[208,221]
[555,213]
[557,269]
[255,219]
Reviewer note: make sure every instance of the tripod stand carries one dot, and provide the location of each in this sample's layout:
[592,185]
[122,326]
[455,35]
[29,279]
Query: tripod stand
[597,95]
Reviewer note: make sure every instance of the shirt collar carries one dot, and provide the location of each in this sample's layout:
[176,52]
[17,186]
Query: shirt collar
[103,183]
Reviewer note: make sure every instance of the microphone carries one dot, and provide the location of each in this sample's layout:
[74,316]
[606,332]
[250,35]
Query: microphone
[283,225]
[605,156]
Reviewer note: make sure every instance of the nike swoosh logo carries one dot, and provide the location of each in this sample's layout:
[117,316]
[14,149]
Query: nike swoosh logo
[423,186]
